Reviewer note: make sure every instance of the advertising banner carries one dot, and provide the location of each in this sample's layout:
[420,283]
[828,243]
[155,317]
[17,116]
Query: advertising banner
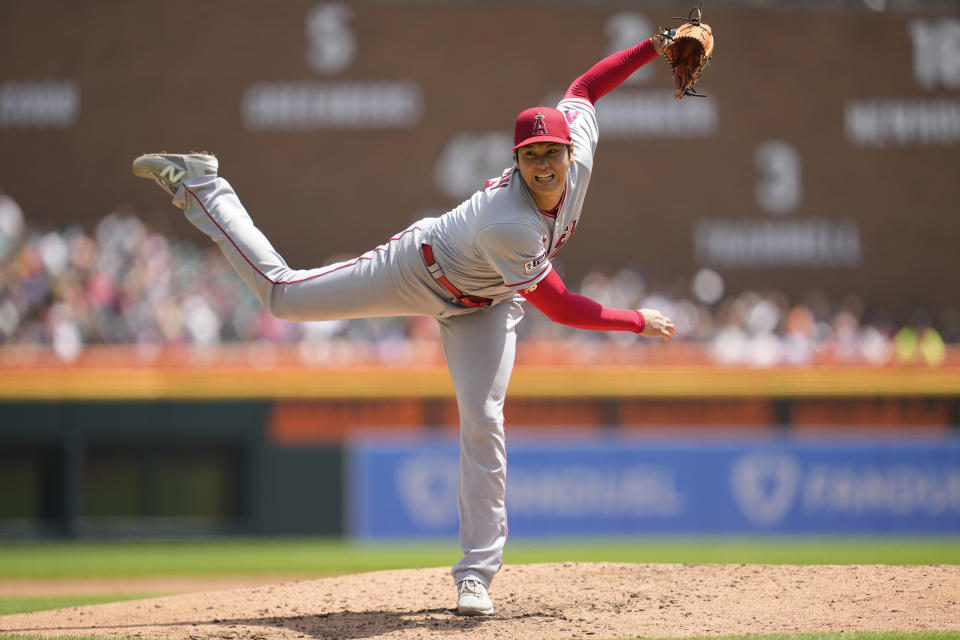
[615,487]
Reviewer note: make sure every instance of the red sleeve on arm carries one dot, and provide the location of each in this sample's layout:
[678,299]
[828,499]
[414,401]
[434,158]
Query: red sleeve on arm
[560,305]
[611,71]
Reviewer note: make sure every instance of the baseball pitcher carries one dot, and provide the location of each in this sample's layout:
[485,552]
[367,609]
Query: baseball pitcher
[472,269]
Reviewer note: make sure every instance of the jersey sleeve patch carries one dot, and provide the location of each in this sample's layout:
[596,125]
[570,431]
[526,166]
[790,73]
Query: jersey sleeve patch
[533,265]
[531,283]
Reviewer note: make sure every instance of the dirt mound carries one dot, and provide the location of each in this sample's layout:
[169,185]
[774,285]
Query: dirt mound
[540,601]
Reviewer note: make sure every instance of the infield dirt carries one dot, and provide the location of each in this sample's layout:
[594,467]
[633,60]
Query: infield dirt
[551,601]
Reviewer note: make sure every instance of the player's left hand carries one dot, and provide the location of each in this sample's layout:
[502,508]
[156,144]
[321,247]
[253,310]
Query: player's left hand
[656,325]
[688,49]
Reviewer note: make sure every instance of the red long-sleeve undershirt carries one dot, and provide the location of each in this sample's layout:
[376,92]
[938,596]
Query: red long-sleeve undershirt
[611,71]
[550,295]
[560,305]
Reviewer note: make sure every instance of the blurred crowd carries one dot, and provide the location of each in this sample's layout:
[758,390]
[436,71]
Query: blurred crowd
[123,283]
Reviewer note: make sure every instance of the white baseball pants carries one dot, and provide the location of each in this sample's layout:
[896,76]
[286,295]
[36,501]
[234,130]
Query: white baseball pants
[393,280]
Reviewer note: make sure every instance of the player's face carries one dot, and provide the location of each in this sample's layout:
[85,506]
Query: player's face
[544,167]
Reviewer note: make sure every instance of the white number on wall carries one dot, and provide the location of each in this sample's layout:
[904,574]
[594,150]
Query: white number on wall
[331,45]
[779,185]
[936,52]
[468,159]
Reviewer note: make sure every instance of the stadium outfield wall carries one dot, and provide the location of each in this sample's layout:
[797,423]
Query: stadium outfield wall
[227,449]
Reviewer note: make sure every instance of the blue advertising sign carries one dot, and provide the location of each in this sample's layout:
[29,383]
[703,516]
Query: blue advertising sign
[635,487]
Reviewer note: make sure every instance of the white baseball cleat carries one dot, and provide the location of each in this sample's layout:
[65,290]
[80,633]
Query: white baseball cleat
[473,599]
[169,170]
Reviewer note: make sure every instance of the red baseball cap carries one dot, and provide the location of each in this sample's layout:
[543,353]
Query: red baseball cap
[540,124]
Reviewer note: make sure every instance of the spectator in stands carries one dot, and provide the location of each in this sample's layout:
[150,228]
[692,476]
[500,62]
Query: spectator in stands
[125,284]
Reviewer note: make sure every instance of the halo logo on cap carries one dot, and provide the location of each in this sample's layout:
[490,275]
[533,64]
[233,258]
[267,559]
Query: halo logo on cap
[539,128]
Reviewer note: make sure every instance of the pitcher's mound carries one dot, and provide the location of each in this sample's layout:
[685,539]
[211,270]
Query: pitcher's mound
[550,601]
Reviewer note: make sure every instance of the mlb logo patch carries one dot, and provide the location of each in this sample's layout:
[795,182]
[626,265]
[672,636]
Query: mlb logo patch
[530,267]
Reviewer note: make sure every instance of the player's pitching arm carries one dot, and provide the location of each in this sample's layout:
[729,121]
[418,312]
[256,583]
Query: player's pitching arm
[610,72]
[555,301]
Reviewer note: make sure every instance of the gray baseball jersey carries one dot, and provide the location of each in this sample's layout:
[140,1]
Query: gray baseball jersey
[493,245]
[498,241]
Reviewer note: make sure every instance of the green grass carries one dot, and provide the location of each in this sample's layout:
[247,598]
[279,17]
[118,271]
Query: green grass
[317,556]
[778,550]
[42,603]
[859,635]
[856,635]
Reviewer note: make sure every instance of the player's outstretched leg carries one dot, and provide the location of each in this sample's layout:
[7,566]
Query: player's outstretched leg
[169,170]
[391,280]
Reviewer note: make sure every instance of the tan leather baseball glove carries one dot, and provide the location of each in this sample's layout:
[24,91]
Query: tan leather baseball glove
[688,49]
